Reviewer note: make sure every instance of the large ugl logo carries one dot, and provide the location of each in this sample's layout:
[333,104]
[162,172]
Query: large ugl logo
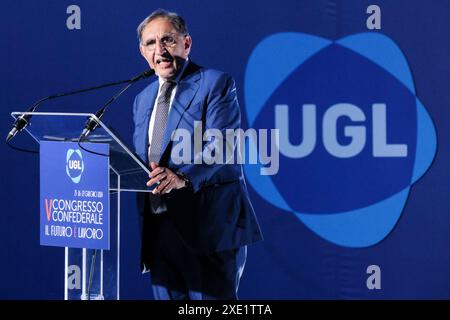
[353,135]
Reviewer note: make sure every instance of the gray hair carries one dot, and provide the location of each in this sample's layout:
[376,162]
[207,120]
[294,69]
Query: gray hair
[174,18]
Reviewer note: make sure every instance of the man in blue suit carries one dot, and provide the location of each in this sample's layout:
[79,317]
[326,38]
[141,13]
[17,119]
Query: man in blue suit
[198,220]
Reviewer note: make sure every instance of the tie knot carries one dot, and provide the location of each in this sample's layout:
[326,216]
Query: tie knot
[167,87]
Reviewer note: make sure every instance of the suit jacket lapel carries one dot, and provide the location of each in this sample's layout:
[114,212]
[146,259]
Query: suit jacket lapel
[152,94]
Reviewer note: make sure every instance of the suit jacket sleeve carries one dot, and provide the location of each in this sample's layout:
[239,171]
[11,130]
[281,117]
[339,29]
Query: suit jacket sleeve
[222,113]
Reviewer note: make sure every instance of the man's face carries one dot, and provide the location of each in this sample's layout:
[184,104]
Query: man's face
[164,48]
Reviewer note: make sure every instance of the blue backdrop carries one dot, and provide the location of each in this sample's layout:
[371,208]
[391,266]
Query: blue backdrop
[360,226]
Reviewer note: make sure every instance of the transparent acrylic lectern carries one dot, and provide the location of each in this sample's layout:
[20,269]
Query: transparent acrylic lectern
[99,270]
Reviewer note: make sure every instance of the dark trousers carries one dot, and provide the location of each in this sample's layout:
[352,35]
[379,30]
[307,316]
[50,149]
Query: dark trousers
[179,273]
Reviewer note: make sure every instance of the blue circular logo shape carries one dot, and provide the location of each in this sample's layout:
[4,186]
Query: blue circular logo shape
[74,165]
[353,136]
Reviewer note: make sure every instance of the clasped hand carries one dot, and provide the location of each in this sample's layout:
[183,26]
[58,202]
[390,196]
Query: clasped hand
[165,178]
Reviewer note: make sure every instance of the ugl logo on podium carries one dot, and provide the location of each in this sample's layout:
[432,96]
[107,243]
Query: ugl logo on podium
[74,196]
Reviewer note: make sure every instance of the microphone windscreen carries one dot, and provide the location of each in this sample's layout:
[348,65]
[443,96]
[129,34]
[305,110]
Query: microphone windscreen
[148,73]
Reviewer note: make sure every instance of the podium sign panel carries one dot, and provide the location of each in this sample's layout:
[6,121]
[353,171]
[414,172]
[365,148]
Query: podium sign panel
[73,183]
[74,195]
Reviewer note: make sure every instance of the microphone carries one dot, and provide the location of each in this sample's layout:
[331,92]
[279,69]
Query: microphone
[92,124]
[20,123]
[24,120]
